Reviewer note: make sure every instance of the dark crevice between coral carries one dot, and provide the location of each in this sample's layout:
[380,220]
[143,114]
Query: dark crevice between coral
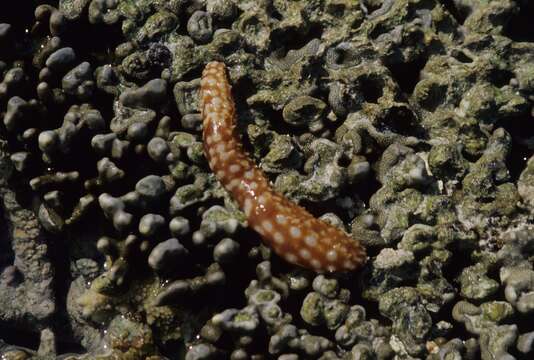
[69,348]
[19,337]
[318,208]
[407,74]
[290,39]
[458,14]
[524,325]
[520,26]
[460,261]
[277,123]
[240,91]
[60,253]
[500,78]
[194,73]
[401,120]
[370,6]
[434,99]
[240,272]
[371,185]
[25,197]
[461,56]
[173,350]
[521,130]
[6,253]
[373,86]
[512,350]
[20,14]
[355,283]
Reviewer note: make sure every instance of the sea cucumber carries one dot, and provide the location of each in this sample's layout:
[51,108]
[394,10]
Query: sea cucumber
[289,229]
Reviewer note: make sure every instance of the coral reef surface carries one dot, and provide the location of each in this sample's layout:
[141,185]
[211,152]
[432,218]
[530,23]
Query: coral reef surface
[408,124]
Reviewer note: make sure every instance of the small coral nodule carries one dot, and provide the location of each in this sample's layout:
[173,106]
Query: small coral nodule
[290,230]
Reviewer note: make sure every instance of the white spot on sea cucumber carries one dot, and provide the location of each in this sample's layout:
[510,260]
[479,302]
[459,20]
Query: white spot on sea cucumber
[247,207]
[295,231]
[216,102]
[227,155]
[259,229]
[233,184]
[221,174]
[311,240]
[234,168]
[315,263]
[331,255]
[249,174]
[331,268]
[290,257]
[305,254]
[267,225]
[220,148]
[214,117]
[281,219]
[278,238]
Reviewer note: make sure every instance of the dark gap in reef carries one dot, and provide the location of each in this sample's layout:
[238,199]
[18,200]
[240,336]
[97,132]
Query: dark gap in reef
[18,337]
[520,26]
[459,14]
[407,74]
[522,131]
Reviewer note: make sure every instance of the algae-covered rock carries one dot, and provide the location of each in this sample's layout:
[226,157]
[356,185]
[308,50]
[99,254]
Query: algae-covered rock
[411,321]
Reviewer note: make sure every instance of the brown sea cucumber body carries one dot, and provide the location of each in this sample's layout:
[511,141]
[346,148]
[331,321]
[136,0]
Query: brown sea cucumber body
[290,230]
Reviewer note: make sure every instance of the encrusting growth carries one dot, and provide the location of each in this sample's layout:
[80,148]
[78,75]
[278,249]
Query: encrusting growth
[290,230]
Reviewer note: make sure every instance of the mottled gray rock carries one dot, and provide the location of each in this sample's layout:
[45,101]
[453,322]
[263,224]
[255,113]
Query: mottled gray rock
[158,149]
[150,224]
[494,342]
[199,26]
[166,254]
[150,188]
[201,352]
[519,289]
[525,342]
[61,59]
[28,298]
[226,250]
[79,81]
[179,226]
[153,93]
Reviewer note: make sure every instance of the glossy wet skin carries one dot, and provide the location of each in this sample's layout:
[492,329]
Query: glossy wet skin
[290,230]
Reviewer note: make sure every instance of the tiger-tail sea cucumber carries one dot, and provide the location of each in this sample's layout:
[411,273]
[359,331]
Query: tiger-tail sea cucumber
[289,229]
